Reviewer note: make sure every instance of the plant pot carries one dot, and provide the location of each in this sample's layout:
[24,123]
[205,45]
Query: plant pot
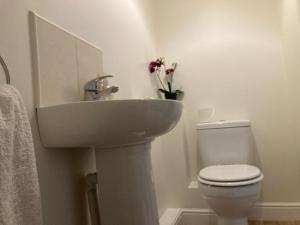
[172,96]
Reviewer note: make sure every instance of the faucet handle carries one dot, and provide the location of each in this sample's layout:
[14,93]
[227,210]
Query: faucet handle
[101,80]
[104,76]
[93,85]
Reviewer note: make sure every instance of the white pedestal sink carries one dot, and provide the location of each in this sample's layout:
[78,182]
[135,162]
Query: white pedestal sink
[120,131]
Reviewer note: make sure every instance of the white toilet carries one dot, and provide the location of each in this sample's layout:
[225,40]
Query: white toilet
[229,183]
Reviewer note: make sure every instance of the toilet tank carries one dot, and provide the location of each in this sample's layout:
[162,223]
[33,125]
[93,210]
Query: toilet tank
[225,142]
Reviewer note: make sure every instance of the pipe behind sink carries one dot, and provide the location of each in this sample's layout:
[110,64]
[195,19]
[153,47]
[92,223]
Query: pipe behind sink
[91,183]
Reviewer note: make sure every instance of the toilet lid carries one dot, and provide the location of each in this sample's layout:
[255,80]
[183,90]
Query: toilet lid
[229,173]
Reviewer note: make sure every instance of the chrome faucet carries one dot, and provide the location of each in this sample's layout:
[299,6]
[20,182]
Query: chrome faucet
[98,88]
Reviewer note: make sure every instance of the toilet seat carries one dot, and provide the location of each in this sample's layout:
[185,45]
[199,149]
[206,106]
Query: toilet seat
[231,184]
[230,175]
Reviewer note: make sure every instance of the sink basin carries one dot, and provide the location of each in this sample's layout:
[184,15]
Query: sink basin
[103,124]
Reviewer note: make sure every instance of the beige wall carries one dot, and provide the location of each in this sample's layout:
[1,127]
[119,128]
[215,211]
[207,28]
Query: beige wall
[290,27]
[231,57]
[118,29]
[290,23]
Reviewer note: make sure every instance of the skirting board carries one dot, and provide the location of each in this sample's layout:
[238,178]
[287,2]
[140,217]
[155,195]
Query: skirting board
[263,211]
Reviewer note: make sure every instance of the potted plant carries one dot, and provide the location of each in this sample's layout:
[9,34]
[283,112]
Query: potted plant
[158,68]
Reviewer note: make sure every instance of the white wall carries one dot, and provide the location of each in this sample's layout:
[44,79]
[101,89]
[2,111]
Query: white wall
[230,56]
[118,28]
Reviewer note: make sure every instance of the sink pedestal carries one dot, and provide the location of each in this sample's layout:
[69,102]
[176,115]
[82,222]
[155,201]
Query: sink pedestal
[126,187]
[125,181]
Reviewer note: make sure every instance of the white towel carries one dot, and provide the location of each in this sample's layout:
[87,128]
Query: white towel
[19,189]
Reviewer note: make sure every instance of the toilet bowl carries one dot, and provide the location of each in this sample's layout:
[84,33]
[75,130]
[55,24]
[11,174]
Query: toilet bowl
[231,191]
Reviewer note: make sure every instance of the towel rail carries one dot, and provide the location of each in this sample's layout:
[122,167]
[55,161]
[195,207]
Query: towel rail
[5,69]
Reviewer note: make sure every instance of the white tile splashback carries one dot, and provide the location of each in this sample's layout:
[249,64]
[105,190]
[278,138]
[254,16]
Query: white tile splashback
[89,63]
[63,63]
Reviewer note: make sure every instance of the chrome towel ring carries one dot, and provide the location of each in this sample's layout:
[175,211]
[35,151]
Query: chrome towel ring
[5,69]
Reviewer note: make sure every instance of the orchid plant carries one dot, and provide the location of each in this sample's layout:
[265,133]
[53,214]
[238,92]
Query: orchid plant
[158,68]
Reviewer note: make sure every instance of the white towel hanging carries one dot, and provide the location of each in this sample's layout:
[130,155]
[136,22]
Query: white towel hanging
[19,189]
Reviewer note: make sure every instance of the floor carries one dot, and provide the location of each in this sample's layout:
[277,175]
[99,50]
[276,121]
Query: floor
[274,223]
